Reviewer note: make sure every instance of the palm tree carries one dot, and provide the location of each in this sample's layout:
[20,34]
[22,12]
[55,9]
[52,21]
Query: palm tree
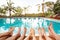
[38,7]
[43,8]
[56,7]
[26,9]
[10,8]
[18,11]
[2,10]
[50,6]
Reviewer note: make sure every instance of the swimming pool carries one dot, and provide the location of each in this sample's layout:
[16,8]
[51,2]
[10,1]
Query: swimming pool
[28,22]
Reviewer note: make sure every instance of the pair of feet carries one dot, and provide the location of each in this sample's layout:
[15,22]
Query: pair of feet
[31,35]
[9,33]
[42,34]
[5,35]
[23,35]
[52,34]
[18,35]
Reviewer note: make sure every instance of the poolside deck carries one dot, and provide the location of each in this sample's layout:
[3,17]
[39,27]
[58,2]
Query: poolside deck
[56,18]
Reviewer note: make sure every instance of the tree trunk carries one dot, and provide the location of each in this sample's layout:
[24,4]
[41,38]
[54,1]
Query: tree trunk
[43,9]
[10,12]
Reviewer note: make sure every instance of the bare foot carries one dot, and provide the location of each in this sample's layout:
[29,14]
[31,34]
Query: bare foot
[33,32]
[25,30]
[11,30]
[40,34]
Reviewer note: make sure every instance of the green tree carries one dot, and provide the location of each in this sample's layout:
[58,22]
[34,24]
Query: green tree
[25,9]
[38,7]
[56,8]
[9,7]
[18,11]
[49,3]
[50,6]
[2,10]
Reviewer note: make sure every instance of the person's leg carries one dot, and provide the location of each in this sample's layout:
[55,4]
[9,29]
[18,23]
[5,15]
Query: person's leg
[7,33]
[23,35]
[15,36]
[40,34]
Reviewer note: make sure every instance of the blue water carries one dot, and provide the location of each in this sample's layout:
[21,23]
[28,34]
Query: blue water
[6,23]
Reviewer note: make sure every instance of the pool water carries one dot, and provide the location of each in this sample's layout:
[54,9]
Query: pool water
[28,22]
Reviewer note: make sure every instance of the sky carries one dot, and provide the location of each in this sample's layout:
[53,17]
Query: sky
[26,3]
[23,3]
